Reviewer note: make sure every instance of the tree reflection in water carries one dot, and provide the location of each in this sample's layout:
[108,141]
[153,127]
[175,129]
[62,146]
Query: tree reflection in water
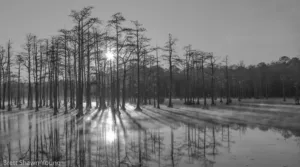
[99,139]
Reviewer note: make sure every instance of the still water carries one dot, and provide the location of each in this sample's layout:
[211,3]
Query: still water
[102,139]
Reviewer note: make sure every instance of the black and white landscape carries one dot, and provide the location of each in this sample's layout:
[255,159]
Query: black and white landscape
[211,83]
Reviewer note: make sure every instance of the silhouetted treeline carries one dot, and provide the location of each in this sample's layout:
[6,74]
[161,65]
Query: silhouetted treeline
[111,64]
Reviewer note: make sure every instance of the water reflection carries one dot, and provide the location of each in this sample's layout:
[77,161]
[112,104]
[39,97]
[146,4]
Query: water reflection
[102,139]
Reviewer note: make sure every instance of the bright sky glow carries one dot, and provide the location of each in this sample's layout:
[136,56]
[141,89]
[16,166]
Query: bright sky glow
[109,55]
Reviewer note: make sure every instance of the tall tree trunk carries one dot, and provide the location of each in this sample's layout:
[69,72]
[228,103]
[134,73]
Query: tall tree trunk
[8,78]
[212,81]
[55,64]
[170,70]
[66,79]
[29,93]
[203,80]
[124,87]
[1,63]
[88,84]
[19,78]
[228,100]
[144,79]
[98,81]
[51,74]
[44,84]
[138,108]
[157,79]
[23,92]
[71,89]
[80,70]
[111,89]
[118,81]
[4,91]
[103,103]
[40,84]
[98,75]
[36,76]
[75,75]
[221,92]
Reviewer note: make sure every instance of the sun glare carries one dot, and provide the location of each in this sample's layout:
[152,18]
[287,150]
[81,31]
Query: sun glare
[110,136]
[109,55]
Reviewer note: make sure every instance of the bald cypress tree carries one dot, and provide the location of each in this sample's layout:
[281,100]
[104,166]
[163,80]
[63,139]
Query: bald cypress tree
[2,52]
[83,22]
[172,59]
[228,99]
[139,40]
[8,76]
[35,54]
[19,61]
[119,40]
[65,48]
[157,78]
[27,63]
[212,64]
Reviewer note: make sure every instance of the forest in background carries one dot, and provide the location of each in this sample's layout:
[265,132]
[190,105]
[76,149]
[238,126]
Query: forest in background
[110,64]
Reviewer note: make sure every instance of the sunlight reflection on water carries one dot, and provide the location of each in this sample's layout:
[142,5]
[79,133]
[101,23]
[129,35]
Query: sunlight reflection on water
[110,132]
[202,144]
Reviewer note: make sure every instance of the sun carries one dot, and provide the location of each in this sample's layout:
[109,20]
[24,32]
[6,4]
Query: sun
[109,55]
[110,136]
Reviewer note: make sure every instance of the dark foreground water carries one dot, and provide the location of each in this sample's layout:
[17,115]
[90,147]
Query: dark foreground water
[103,140]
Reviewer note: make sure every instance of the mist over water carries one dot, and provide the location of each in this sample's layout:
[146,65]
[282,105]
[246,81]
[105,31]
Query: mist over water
[100,139]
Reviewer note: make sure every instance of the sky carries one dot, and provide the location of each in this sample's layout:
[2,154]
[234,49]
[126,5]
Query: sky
[251,31]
